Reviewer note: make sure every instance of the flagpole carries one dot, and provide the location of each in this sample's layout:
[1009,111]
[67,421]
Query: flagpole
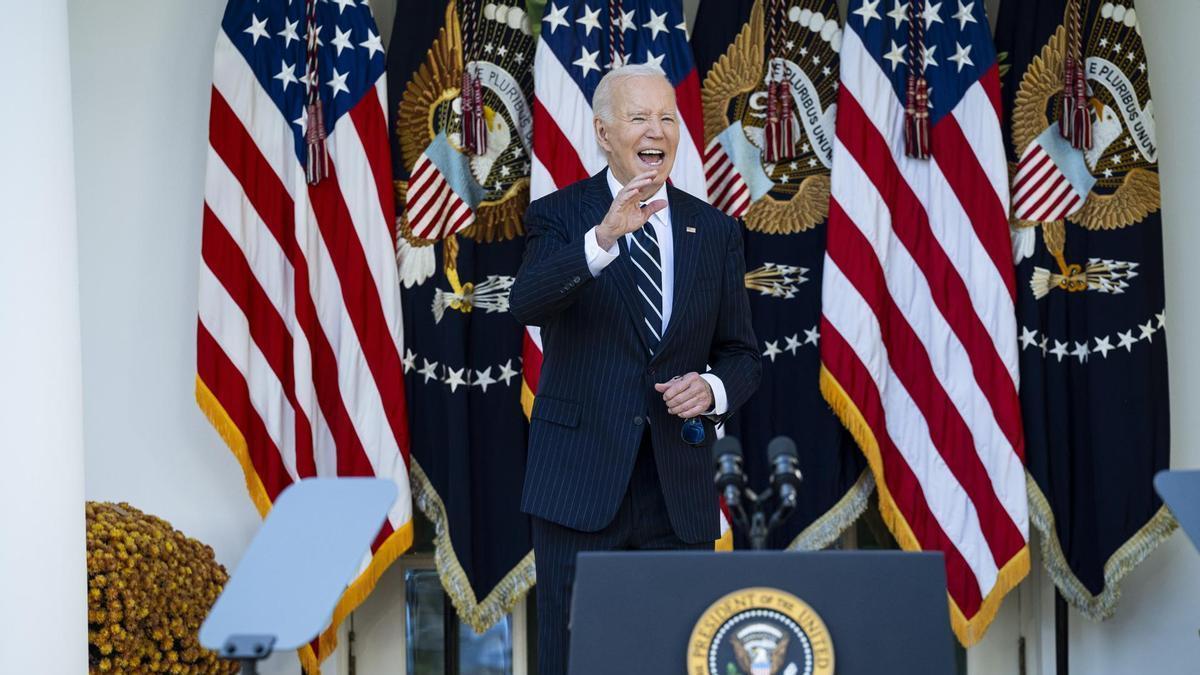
[1062,649]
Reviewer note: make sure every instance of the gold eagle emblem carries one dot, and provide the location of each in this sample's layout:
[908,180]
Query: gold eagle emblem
[733,88]
[429,106]
[1127,184]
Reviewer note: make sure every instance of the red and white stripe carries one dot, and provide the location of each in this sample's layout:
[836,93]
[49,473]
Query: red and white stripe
[919,332]
[1041,191]
[727,190]
[299,336]
[434,209]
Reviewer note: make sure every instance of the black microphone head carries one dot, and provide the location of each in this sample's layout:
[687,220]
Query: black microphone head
[781,446]
[727,445]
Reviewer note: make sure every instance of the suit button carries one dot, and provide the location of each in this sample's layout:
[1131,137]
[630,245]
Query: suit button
[575,280]
[637,421]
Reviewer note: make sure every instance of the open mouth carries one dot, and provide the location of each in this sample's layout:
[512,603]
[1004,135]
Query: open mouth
[652,158]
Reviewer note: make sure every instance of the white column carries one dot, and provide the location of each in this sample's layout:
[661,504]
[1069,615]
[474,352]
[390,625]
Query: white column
[43,604]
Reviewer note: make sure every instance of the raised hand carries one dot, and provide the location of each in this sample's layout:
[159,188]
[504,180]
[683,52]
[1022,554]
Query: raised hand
[625,216]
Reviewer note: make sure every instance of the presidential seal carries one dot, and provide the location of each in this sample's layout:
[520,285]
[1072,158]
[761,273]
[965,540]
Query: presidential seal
[1103,179]
[760,631]
[769,111]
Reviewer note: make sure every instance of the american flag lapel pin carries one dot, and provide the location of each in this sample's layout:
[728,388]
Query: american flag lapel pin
[691,230]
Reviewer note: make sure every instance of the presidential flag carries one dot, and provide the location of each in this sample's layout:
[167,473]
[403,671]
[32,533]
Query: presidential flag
[462,93]
[755,57]
[579,41]
[299,338]
[918,333]
[1090,303]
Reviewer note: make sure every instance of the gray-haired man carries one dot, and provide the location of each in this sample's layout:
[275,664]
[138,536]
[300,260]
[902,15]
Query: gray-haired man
[639,288]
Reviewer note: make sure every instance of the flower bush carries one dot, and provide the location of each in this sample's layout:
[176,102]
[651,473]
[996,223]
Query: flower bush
[149,589]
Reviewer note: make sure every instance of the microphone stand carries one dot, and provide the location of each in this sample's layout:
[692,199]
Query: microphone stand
[758,527]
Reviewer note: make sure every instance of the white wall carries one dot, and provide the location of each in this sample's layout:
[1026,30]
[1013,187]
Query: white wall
[41,522]
[141,71]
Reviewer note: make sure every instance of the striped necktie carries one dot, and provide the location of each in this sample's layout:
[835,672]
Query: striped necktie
[648,260]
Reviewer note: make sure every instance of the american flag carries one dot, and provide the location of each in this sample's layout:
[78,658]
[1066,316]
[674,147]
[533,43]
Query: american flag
[580,41]
[918,333]
[299,335]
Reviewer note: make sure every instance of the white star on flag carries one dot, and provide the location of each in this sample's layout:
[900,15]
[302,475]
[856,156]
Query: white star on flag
[962,56]
[342,4]
[899,13]
[341,40]
[896,56]
[507,372]
[1126,340]
[590,20]
[657,24]
[587,60]
[429,370]
[965,14]
[338,82]
[656,61]
[556,17]
[454,378]
[1102,346]
[372,44]
[927,54]
[257,29]
[1028,337]
[867,11]
[773,350]
[627,21]
[287,74]
[289,32]
[932,15]
[484,378]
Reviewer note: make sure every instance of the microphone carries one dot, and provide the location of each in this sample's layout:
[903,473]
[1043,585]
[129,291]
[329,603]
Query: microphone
[727,456]
[785,475]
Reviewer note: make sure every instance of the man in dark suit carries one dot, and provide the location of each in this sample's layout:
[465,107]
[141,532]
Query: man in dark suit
[639,290]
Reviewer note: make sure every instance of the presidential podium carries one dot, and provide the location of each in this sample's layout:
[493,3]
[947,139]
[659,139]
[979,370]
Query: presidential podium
[760,612]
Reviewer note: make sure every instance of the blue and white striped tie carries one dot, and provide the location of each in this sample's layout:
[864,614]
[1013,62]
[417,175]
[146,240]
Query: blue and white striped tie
[648,260]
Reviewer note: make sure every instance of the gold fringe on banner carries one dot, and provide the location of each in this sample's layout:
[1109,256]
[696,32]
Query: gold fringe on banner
[479,615]
[1122,562]
[825,530]
[968,631]
[396,544]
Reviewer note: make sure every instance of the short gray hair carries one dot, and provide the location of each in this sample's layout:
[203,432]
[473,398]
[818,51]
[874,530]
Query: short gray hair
[602,99]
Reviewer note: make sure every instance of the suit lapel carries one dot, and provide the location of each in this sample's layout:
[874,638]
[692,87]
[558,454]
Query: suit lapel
[687,250]
[598,198]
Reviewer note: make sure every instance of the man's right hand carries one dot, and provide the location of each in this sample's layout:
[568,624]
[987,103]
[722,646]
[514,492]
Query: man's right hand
[625,216]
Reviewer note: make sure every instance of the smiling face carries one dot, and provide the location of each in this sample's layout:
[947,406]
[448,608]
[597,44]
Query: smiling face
[643,131]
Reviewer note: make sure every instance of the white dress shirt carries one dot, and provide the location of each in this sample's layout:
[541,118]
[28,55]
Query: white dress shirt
[598,258]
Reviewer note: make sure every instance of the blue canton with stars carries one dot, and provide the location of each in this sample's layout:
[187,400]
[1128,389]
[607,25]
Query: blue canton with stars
[271,35]
[958,45]
[577,31]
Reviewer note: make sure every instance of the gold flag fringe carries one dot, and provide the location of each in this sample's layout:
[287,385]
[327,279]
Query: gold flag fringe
[969,631]
[1121,563]
[825,530]
[396,544]
[479,615]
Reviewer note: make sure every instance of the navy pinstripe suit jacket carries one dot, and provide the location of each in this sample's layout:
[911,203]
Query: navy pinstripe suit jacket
[596,389]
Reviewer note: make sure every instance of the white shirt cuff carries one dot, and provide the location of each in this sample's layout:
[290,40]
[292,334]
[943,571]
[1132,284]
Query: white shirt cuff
[597,258]
[720,403]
